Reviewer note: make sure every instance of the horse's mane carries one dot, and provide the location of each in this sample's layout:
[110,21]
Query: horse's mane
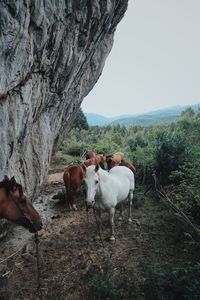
[103,173]
[2,184]
[5,184]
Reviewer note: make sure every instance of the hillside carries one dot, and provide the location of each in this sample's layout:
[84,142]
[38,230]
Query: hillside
[96,119]
[158,117]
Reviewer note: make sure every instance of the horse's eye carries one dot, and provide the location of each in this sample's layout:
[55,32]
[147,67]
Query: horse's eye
[96,181]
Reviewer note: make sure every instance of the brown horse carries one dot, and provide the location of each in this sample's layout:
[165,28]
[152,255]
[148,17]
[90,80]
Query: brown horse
[90,154]
[73,178]
[113,163]
[99,159]
[114,159]
[118,157]
[15,207]
[131,166]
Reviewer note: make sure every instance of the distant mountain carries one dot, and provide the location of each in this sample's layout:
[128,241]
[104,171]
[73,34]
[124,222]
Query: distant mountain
[157,117]
[95,119]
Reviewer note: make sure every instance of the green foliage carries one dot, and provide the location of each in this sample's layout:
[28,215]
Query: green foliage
[175,283]
[74,148]
[80,120]
[101,139]
[104,283]
[187,194]
[169,155]
[100,279]
[101,283]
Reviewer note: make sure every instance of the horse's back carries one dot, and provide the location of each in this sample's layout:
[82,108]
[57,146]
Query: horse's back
[125,171]
[114,188]
[73,174]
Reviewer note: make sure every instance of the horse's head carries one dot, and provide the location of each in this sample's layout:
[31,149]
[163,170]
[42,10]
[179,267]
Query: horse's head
[92,183]
[111,163]
[17,207]
[90,154]
[103,163]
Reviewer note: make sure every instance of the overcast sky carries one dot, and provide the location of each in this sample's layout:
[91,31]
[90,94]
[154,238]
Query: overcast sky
[154,62]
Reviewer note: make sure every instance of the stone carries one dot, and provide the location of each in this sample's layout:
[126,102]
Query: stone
[52,53]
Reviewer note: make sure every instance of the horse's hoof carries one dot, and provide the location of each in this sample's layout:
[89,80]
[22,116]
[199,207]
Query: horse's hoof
[112,238]
[74,207]
[130,220]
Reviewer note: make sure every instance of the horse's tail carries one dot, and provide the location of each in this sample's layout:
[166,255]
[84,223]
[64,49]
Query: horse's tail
[67,180]
[131,193]
[132,168]
[131,180]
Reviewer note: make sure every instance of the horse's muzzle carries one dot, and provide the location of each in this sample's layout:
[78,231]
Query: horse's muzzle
[35,226]
[90,203]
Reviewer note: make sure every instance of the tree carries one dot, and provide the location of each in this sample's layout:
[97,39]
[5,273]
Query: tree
[80,120]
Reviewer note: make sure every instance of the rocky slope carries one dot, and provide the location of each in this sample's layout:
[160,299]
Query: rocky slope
[51,55]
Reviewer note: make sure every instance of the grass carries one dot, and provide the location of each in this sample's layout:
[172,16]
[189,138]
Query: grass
[61,160]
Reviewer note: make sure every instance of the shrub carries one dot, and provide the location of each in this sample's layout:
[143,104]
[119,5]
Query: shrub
[175,283]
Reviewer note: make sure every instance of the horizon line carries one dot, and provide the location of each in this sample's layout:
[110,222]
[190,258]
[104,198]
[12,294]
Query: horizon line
[141,113]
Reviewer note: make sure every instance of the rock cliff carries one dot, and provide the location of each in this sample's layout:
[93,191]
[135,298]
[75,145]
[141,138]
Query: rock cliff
[51,55]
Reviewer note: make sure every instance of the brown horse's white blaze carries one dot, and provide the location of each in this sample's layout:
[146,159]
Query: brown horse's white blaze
[15,207]
[73,178]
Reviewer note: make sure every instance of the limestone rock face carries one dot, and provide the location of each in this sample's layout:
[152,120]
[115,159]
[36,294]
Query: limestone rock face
[51,55]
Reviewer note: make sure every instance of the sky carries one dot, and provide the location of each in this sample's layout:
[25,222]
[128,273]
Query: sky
[154,62]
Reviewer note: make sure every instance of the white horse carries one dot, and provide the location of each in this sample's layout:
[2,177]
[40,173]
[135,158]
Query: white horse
[105,190]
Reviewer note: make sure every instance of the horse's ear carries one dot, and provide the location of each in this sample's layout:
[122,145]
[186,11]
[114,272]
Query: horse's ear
[12,180]
[6,178]
[96,168]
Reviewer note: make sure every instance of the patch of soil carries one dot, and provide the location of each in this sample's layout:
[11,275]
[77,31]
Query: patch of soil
[55,177]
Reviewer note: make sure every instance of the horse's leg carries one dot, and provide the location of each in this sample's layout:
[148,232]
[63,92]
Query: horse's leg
[98,215]
[130,205]
[112,214]
[73,201]
[74,205]
[121,211]
[68,198]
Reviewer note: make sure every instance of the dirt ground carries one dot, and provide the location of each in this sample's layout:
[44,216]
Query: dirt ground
[74,264]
